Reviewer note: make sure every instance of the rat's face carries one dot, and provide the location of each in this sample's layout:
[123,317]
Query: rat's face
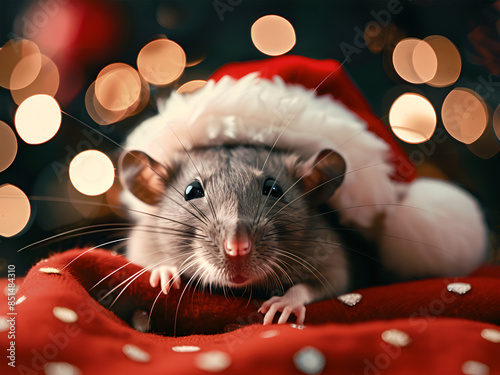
[236,215]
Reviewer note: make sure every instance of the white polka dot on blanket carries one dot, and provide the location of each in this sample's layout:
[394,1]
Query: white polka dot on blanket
[270,333]
[60,368]
[186,348]
[396,337]
[350,299]
[309,360]
[475,368]
[491,334]
[213,361]
[21,300]
[50,270]
[4,323]
[459,288]
[64,314]
[135,353]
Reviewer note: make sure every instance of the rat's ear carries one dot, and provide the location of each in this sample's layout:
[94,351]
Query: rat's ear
[323,174]
[142,176]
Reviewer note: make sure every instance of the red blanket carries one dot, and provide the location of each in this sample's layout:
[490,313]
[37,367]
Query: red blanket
[59,327]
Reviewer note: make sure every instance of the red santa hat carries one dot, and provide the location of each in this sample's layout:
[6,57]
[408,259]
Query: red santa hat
[423,227]
[325,77]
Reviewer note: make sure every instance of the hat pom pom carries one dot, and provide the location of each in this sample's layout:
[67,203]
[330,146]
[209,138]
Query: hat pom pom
[437,229]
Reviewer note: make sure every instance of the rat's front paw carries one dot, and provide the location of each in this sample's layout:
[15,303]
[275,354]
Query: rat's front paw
[286,306]
[165,275]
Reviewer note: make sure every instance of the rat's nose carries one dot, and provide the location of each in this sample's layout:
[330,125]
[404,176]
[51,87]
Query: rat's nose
[238,245]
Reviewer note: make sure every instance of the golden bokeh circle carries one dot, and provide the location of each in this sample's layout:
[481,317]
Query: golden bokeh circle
[464,114]
[425,61]
[15,210]
[20,62]
[273,35]
[161,62]
[414,60]
[91,172]
[47,82]
[191,86]
[496,121]
[412,118]
[8,146]
[117,87]
[449,61]
[38,119]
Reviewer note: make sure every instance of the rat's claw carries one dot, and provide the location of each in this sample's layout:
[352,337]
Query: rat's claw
[164,276]
[286,307]
[154,278]
[265,306]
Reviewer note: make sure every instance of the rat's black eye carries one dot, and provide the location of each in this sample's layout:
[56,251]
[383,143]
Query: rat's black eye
[272,188]
[193,191]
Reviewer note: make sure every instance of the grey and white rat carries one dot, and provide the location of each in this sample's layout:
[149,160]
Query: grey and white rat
[230,180]
[240,216]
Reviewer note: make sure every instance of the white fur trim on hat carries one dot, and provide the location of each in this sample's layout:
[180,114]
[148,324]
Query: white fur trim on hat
[436,230]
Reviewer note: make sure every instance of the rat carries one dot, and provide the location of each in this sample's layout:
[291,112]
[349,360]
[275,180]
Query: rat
[240,216]
[233,180]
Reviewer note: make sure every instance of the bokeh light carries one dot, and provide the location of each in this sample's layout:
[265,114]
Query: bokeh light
[91,172]
[38,119]
[161,62]
[496,121]
[273,35]
[464,115]
[15,210]
[434,61]
[141,101]
[449,61]
[99,114]
[105,116]
[425,61]
[117,87]
[191,86]
[8,146]
[412,118]
[414,67]
[21,62]
[47,82]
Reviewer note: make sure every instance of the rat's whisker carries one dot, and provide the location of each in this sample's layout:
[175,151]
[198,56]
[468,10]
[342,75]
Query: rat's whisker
[110,274]
[128,281]
[313,189]
[93,248]
[356,230]
[114,227]
[214,215]
[274,263]
[308,266]
[137,158]
[158,296]
[63,200]
[259,211]
[275,276]
[188,283]
[305,218]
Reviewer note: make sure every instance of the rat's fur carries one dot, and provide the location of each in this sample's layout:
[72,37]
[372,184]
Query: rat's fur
[292,244]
